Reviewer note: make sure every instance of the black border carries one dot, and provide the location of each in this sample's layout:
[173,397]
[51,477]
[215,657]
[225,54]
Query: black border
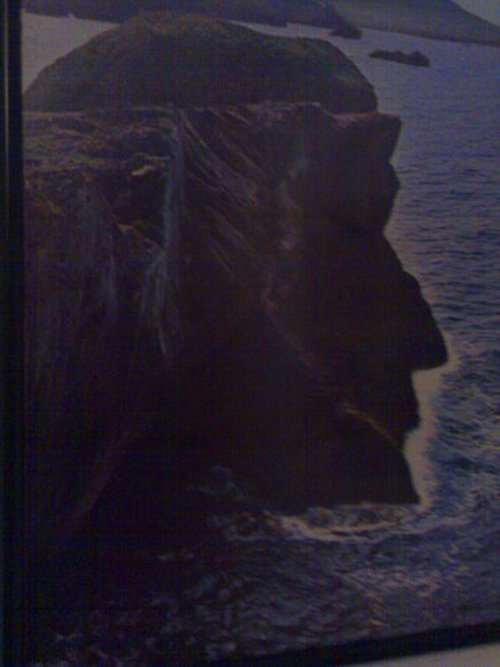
[11,180]
[12,394]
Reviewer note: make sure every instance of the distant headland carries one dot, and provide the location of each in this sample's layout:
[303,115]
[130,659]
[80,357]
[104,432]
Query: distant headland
[444,20]
[416,59]
[278,12]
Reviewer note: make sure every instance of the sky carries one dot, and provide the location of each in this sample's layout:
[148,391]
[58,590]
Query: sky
[487,9]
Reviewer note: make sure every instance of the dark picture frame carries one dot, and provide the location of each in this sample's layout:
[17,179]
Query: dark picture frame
[22,619]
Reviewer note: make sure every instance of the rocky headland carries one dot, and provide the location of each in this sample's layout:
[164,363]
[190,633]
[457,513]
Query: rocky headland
[278,12]
[218,331]
[435,20]
[199,278]
[444,20]
[415,58]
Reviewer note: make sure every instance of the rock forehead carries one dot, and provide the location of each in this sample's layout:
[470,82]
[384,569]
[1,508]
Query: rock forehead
[163,58]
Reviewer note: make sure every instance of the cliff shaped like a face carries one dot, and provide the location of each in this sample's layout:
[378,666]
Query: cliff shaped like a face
[212,286]
[207,280]
[166,58]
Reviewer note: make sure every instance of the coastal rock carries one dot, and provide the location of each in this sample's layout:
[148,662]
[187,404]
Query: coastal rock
[279,12]
[209,285]
[217,304]
[444,20]
[414,58]
[140,63]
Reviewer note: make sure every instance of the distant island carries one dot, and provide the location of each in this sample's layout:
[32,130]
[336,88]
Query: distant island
[279,12]
[415,58]
[427,18]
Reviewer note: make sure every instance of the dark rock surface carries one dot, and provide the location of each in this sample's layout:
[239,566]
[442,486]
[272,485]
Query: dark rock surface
[415,58]
[166,58]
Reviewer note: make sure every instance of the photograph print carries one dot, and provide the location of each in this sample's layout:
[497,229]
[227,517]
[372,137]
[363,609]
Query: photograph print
[261,329]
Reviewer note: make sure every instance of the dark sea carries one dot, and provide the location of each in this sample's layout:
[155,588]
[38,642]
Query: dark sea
[436,564]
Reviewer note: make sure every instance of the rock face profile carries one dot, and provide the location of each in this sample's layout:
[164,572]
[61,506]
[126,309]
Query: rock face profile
[416,58]
[207,280]
[437,20]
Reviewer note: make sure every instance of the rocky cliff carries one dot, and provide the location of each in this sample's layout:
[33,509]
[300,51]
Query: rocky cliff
[167,58]
[210,286]
[213,287]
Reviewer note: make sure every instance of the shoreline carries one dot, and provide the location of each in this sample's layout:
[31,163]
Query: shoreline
[427,386]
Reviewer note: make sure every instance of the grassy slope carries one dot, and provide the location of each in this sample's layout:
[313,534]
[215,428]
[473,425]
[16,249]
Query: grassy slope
[440,19]
[186,60]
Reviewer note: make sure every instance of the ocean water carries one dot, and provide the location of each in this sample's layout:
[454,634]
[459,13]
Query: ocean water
[436,564]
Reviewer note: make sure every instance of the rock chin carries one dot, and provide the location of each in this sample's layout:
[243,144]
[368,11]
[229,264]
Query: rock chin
[212,286]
